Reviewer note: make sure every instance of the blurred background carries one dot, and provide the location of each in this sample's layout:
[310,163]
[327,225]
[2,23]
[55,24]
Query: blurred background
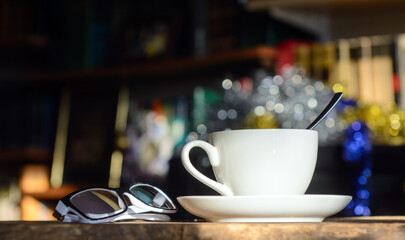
[106,93]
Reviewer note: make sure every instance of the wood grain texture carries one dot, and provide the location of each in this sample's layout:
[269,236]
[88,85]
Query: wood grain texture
[358,229]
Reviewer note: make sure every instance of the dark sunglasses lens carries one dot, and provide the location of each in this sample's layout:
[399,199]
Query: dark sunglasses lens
[98,203]
[151,196]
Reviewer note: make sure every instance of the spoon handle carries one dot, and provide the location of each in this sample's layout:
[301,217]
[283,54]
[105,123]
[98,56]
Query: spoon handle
[325,112]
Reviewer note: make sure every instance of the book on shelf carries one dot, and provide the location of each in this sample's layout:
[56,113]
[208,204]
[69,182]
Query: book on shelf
[369,68]
[317,59]
[354,69]
[302,57]
[366,80]
[346,68]
[384,94]
[400,55]
[329,62]
[395,77]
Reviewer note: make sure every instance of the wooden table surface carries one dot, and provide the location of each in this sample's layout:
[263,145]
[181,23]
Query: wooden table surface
[375,228]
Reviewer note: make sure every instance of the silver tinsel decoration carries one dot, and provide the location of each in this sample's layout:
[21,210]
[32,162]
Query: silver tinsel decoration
[296,101]
[291,98]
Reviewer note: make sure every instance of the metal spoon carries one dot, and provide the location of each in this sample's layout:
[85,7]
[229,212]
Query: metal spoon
[325,112]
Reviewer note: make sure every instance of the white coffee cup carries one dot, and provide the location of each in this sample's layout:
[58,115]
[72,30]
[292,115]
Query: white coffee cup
[258,161]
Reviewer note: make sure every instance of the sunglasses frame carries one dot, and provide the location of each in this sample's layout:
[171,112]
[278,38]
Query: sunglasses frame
[134,209]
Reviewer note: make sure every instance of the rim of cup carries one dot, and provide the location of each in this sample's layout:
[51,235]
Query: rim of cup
[265,130]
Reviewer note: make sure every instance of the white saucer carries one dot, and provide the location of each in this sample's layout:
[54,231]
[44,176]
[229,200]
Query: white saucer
[285,208]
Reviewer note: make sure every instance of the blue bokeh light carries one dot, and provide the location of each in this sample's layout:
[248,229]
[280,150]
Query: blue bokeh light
[366,211]
[358,136]
[362,180]
[363,194]
[357,150]
[356,126]
[358,210]
[367,172]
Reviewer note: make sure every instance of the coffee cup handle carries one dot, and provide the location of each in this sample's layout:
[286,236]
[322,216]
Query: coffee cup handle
[214,160]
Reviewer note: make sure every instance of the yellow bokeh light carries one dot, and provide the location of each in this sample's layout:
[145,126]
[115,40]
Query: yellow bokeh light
[338,87]
[394,132]
[375,110]
[394,117]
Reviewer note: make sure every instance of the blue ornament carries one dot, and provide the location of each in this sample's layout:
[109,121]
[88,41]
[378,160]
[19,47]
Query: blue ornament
[357,150]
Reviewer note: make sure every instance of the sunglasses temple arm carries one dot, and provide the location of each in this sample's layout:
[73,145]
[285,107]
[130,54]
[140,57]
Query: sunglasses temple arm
[142,216]
[60,211]
[73,218]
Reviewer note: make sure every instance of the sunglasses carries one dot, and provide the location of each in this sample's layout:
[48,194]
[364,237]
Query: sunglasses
[97,205]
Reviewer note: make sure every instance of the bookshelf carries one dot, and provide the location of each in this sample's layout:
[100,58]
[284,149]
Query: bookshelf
[264,55]
[36,155]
